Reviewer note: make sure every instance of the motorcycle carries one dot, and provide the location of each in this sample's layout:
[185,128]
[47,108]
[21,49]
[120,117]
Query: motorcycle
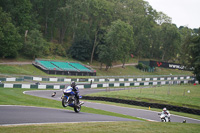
[164,117]
[69,99]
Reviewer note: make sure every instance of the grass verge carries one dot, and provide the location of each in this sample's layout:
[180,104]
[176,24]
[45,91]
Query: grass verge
[178,95]
[105,127]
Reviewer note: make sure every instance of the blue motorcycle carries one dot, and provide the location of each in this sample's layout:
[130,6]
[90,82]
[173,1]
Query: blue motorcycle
[69,99]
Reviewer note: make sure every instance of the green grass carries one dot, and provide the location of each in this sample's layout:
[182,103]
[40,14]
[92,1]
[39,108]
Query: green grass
[132,70]
[21,70]
[10,96]
[27,70]
[173,95]
[105,127]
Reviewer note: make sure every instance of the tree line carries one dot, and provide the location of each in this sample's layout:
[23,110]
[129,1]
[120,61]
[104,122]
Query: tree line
[102,30]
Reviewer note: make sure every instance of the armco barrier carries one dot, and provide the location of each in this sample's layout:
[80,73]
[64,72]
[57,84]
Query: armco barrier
[145,104]
[113,79]
[99,85]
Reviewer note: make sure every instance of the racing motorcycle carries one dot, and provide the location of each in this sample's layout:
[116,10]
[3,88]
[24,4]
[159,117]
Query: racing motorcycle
[164,117]
[69,99]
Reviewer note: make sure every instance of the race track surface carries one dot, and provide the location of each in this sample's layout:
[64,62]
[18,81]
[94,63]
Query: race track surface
[10,115]
[140,113]
[33,115]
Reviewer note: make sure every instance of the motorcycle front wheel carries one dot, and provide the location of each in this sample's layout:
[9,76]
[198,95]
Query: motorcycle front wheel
[64,102]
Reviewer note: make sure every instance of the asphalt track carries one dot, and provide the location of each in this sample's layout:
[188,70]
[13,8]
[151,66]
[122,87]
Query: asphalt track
[10,115]
[18,115]
[140,113]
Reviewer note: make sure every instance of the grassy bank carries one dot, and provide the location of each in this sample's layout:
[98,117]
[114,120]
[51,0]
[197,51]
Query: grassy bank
[129,70]
[174,95]
[21,70]
[106,127]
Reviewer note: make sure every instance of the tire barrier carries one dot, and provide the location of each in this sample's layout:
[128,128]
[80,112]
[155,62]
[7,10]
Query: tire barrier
[145,104]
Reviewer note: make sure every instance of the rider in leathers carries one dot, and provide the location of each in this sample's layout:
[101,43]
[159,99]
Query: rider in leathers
[166,112]
[75,90]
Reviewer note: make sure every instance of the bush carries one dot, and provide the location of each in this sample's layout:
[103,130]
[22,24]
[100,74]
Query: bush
[143,67]
[140,66]
[56,49]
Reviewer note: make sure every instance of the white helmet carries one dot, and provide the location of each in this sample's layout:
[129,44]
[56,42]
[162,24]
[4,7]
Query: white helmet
[164,109]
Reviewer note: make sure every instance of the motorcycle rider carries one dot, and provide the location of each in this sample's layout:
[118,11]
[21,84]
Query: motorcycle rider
[75,90]
[166,113]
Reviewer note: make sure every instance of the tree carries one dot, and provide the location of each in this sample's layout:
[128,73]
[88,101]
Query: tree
[162,18]
[64,22]
[9,36]
[106,55]
[119,42]
[46,15]
[186,37]
[195,54]
[122,36]
[80,48]
[170,41]
[20,11]
[99,15]
[35,44]
[142,17]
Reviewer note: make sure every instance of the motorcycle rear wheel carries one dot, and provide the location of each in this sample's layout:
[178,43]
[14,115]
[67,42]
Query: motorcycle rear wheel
[77,108]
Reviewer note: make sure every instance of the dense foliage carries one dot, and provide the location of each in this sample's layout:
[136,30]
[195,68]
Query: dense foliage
[93,29]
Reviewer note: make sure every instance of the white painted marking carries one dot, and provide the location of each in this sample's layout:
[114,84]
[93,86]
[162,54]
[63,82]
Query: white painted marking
[121,79]
[127,84]
[147,79]
[53,79]
[67,80]
[136,84]
[80,86]
[94,86]
[37,78]
[101,80]
[116,84]
[162,78]
[42,86]
[56,87]
[105,85]
[10,79]
[28,86]
[111,80]
[131,79]
[8,85]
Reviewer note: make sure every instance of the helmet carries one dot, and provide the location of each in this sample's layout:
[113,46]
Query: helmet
[164,109]
[73,84]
